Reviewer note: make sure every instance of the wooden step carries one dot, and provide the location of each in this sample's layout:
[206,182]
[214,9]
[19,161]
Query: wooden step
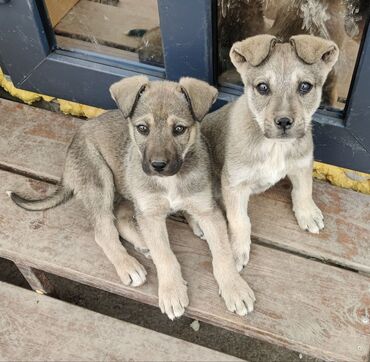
[301,304]
[36,141]
[39,328]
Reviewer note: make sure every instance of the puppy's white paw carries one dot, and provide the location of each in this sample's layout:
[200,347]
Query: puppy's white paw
[238,296]
[241,252]
[309,217]
[197,230]
[131,272]
[173,297]
[199,233]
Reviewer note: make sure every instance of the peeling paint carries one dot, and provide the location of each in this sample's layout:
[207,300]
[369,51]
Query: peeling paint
[342,177]
[67,107]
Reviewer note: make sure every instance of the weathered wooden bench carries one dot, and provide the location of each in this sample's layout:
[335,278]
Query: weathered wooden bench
[39,328]
[306,301]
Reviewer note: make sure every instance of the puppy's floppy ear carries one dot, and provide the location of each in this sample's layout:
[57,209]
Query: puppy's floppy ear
[127,91]
[312,49]
[253,50]
[200,96]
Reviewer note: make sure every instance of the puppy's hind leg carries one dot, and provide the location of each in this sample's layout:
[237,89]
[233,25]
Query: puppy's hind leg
[98,197]
[128,228]
[128,268]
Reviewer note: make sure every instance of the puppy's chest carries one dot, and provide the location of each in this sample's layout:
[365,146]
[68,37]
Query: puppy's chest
[270,173]
[172,193]
[174,197]
[261,175]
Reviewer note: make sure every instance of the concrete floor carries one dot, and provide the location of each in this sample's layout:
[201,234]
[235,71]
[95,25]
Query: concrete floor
[151,317]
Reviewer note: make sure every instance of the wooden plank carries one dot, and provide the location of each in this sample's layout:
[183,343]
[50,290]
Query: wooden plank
[109,25]
[32,147]
[75,44]
[344,241]
[36,141]
[301,304]
[58,9]
[39,328]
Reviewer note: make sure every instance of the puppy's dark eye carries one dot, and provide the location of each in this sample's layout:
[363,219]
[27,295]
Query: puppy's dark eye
[144,130]
[178,130]
[263,88]
[304,88]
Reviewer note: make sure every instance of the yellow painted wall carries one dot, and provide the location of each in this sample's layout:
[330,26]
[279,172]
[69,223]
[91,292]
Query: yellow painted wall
[337,176]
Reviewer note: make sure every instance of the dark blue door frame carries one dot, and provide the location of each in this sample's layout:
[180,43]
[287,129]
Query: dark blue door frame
[30,56]
[32,59]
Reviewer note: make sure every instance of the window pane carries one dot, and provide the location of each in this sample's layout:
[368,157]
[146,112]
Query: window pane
[340,20]
[126,29]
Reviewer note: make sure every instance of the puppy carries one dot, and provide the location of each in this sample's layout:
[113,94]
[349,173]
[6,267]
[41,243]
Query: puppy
[266,134]
[150,152]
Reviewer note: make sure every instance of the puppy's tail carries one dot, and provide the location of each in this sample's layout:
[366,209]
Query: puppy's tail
[60,196]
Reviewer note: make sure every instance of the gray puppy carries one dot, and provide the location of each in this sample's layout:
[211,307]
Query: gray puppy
[150,152]
[266,134]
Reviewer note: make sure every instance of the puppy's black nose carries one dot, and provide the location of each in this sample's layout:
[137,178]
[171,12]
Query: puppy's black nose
[283,123]
[159,165]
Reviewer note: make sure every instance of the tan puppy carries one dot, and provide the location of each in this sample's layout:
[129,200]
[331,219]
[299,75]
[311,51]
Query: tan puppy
[266,134]
[151,154]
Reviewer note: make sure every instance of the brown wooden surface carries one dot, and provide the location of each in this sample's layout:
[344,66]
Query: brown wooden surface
[39,328]
[34,141]
[109,25]
[301,304]
[26,144]
[344,241]
[57,9]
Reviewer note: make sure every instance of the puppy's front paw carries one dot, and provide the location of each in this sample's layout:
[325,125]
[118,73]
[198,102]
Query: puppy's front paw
[238,296]
[241,250]
[173,298]
[309,217]
[131,272]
